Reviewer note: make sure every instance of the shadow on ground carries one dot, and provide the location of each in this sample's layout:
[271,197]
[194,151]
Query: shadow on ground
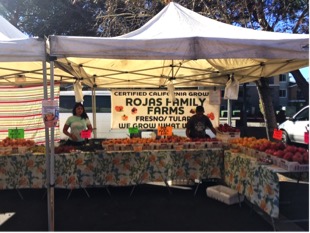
[150,208]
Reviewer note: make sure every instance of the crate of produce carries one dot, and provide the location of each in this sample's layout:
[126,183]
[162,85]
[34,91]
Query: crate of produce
[224,194]
[178,146]
[225,137]
[214,144]
[137,147]
[5,150]
[119,147]
[154,146]
[292,166]
[23,149]
[303,168]
[189,145]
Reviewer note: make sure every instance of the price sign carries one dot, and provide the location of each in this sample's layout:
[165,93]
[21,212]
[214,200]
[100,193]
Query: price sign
[164,131]
[133,130]
[306,137]
[16,133]
[85,134]
[277,134]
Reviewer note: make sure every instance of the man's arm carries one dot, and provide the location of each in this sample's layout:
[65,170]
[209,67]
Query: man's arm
[187,132]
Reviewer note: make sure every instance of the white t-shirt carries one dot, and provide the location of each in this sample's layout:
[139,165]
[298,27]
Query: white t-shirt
[77,125]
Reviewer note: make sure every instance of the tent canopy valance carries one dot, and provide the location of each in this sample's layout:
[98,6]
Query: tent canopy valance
[183,46]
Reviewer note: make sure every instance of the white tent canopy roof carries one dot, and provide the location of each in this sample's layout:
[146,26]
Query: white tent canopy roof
[21,58]
[8,31]
[178,33]
[16,46]
[183,46]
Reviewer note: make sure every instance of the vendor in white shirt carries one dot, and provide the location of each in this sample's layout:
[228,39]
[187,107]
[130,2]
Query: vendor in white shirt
[77,123]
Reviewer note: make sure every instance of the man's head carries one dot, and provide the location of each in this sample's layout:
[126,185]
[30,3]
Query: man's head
[200,109]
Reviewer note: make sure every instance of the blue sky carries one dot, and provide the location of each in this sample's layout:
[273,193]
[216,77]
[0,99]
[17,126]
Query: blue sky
[305,73]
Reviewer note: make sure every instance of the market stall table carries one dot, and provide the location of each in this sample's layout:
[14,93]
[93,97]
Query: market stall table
[22,171]
[118,168]
[258,182]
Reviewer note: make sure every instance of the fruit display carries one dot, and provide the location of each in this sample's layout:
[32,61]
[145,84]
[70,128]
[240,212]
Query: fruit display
[225,132]
[15,146]
[170,142]
[16,142]
[276,149]
[225,128]
[265,151]
[40,149]
[64,149]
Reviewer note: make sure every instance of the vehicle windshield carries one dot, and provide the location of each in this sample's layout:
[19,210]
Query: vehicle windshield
[303,116]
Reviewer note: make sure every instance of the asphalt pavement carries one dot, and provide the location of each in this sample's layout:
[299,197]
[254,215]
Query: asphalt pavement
[149,208]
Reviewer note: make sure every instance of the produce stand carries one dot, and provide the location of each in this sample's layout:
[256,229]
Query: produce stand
[250,172]
[99,169]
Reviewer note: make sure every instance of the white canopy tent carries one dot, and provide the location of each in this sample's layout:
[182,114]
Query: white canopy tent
[183,46]
[177,45]
[8,31]
[23,62]
[16,46]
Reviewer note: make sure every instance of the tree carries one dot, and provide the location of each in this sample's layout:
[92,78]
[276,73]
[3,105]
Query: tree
[123,16]
[62,17]
[266,104]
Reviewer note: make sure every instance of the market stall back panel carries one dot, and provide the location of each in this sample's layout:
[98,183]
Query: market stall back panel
[21,108]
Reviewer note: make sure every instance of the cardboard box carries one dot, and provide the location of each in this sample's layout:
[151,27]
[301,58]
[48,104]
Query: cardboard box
[224,194]
[226,136]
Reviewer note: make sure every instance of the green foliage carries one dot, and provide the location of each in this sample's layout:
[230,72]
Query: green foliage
[116,17]
[60,17]
[123,16]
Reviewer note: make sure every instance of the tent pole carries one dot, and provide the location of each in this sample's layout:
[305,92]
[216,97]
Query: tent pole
[49,145]
[94,104]
[243,115]
[228,112]
[47,152]
[52,157]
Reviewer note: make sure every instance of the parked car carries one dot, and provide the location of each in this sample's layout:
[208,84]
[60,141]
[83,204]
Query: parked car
[294,128]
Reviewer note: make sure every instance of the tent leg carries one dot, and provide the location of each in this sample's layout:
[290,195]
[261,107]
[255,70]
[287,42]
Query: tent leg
[199,182]
[69,194]
[51,206]
[108,191]
[86,192]
[131,192]
[20,194]
[44,194]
